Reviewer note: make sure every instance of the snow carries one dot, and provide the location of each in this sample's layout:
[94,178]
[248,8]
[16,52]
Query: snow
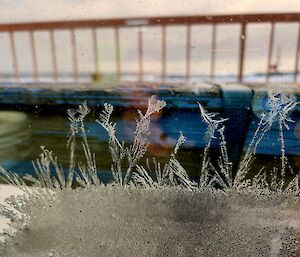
[119,221]
[6,191]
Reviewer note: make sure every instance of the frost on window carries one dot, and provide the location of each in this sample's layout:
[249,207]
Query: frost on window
[153,208]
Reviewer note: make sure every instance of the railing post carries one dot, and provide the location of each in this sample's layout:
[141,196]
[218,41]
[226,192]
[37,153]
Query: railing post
[213,51]
[117,52]
[53,56]
[271,45]
[74,55]
[242,52]
[163,22]
[163,52]
[96,52]
[188,52]
[34,57]
[297,56]
[14,56]
[140,54]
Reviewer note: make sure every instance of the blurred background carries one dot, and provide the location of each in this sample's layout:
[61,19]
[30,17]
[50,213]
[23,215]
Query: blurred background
[213,47]
[225,54]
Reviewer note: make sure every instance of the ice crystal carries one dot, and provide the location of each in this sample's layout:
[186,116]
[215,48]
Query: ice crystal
[222,175]
[137,150]
[214,125]
[172,174]
[88,172]
[153,209]
[42,167]
[281,106]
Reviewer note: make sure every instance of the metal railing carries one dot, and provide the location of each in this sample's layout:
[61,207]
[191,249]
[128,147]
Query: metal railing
[163,22]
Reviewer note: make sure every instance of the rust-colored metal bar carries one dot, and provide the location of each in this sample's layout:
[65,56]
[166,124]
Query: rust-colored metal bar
[14,56]
[74,55]
[163,22]
[34,56]
[188,53]
[152,21]
[242,51]
[297,56]
[95,51]
[213,51]
[53,56]
[163,52]
[141,54]
[118,52]
[270,51]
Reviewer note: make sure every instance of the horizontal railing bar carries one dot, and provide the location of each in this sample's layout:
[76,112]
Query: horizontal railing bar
[152,21]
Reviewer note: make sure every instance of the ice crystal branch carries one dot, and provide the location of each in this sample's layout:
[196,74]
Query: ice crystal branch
[88,171]
[44,177]
[12,178]
[245,164]
[222,175]
[76,117]
[213,125]
[280,107]
[50,174]
[117,150]
[139,147]
[137,150]
[173,174]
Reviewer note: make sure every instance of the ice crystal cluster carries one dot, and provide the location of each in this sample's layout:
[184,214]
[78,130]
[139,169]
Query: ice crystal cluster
[155,209]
